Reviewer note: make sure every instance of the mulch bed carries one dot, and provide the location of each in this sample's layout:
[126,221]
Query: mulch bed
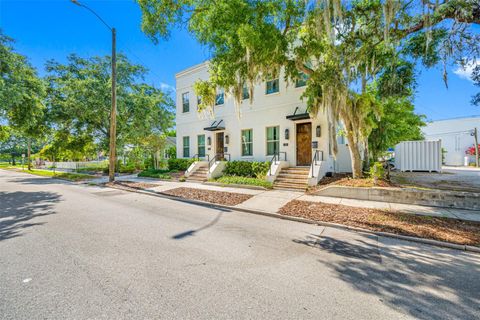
[347,181]
[217,197]
[443,229]
[129,185]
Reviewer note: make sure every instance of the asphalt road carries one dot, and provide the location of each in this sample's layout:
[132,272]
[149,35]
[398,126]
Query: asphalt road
[82,252]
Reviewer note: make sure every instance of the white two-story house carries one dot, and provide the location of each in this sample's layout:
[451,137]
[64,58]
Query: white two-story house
[276,126]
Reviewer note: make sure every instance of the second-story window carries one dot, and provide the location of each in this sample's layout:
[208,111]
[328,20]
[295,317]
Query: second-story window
[220,98]
[302,81]
[185,102]
[245,92]
[272,85]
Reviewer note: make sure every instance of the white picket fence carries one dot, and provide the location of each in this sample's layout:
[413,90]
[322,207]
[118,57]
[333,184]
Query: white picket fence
[74,165]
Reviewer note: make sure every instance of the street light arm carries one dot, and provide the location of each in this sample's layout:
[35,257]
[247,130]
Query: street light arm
[84,6]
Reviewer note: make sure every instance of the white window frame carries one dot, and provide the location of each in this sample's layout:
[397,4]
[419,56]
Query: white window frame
[186,101]
[186,147]
[220,92]
[199,145]
[272,141]
[242,143]
[270,79]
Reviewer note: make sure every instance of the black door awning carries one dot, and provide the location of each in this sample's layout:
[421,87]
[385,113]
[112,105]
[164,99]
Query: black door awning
[215,126]
[298,116]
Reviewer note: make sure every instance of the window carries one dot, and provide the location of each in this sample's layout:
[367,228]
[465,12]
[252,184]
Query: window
[272,85]
[245,92]
[273,140]
[186,147]
[247,143]
[302,81]
[199,100]
[220,98]
[201,145]
[185,102]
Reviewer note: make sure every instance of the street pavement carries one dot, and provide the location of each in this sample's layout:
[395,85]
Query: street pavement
[70,251]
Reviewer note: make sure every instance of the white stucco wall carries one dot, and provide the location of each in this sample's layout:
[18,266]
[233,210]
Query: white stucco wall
[266,110]
[455,135]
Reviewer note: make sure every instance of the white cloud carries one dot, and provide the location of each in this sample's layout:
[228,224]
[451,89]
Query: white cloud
[466,71]
[166,87]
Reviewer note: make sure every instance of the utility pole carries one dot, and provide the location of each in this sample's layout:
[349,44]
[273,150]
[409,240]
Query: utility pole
[113,112]
[475,137]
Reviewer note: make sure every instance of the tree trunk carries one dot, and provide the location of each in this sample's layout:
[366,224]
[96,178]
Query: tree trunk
[155,160]
[366,158]
[29,165]
[355,156]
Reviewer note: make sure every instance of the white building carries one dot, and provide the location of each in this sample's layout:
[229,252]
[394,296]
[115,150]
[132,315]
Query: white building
[456,135]
[276,123]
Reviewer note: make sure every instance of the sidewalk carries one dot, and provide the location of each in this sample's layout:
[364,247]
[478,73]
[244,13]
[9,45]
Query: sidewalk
[271,201]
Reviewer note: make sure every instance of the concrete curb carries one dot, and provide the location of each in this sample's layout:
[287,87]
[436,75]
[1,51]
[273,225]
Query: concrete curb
[233,185]
[309,221]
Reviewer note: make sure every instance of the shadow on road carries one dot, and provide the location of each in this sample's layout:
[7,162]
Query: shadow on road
[407,277]
[17,209]
[37,180]
[191,233]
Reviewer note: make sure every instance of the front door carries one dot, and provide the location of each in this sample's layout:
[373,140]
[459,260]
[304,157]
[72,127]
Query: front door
[219,146]
[304,144]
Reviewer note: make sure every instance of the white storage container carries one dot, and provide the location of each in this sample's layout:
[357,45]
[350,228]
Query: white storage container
[419,156]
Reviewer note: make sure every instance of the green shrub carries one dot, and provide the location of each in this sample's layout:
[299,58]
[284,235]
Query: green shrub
[179,164]
[377,171]
[158,174]
[252,169]
[244,181]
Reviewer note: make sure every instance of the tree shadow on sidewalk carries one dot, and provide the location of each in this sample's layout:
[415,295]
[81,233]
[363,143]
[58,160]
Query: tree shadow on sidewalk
[18,209]
[422,281]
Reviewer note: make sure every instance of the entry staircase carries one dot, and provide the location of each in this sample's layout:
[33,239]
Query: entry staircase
[199,175]
[292,178]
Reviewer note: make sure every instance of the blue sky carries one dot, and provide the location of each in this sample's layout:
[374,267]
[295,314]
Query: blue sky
[53,29]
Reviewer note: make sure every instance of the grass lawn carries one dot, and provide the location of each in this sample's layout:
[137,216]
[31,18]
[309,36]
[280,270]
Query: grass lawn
[62,175]
[244,181]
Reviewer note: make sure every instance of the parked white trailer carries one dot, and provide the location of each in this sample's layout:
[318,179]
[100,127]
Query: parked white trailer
[419,156]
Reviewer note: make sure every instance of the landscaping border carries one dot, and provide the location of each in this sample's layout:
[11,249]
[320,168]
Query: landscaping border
[437,243]
[434,198]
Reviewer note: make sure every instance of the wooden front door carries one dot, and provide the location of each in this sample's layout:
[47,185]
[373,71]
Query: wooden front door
[219,145]
[304,144]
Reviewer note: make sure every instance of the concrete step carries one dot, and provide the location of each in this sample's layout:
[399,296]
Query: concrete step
[303,182]
[198,175]
[202,179]
[296,170]
[282,175]
[286,186]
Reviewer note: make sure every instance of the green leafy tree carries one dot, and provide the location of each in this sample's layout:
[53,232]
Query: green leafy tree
[399,122]
[79,96]
[22,95]
[342,46]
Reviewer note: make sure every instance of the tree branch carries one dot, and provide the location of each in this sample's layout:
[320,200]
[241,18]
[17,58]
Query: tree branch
[449,10]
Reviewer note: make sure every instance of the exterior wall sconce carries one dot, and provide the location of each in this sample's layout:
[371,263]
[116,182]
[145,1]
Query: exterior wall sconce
[318,131]
[227,139]
[287,134]
[209,141]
